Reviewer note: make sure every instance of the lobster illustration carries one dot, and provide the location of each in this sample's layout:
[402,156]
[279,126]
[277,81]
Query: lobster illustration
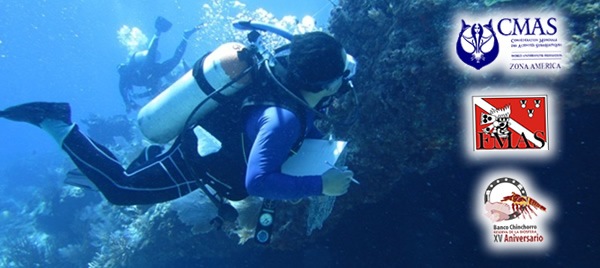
[522,204]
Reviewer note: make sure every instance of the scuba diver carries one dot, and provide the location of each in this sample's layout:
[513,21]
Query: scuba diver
[283,96]
[143,69]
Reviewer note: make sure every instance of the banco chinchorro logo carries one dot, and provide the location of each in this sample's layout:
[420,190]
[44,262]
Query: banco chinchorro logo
[512,206]
[512,214]
[510,123]
[477,45]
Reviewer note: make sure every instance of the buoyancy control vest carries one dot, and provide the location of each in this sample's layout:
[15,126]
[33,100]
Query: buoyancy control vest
[225,170]
[220,89]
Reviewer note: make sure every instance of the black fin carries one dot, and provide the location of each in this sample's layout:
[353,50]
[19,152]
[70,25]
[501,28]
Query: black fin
[162,25]
[76,178]
[36,112]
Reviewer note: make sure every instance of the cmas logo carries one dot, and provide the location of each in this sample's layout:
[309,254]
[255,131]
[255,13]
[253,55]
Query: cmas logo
[477,45]
[510,42]
[510,122]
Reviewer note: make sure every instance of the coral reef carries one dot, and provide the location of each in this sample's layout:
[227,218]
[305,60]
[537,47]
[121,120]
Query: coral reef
[407,86]
[22,252]
[195,210]
[406,89]
[581,85]
[319,210]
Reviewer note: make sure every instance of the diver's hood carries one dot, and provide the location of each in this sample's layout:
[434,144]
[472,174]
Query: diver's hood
[349,70]
[277,64]
[280,63]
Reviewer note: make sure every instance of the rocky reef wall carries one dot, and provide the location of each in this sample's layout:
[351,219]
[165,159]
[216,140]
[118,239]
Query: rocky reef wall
[410,93]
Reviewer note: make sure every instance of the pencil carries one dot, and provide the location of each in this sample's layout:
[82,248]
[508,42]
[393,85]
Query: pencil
[339,169]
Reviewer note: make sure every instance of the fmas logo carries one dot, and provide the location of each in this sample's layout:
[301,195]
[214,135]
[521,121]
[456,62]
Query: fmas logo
[510,123]
[512,213]
[530,42]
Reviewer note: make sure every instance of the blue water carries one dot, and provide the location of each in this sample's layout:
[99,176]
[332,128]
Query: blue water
[68,51]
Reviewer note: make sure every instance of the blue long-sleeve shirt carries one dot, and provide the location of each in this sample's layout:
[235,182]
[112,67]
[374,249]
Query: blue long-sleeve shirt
[274,131]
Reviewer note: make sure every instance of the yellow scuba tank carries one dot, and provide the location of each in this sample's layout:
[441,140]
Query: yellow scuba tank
[163,118]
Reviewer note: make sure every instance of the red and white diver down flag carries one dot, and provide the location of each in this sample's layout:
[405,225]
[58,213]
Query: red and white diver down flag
[510,122]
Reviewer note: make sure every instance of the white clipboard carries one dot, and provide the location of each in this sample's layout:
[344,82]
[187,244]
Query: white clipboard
[312,157]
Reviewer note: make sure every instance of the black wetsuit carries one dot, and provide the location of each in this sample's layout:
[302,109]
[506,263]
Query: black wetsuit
[180,170]
[147,73]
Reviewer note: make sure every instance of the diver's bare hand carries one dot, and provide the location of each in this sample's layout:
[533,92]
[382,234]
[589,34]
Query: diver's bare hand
[336,181]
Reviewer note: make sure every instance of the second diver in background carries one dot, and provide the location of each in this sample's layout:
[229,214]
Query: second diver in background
[143,69]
